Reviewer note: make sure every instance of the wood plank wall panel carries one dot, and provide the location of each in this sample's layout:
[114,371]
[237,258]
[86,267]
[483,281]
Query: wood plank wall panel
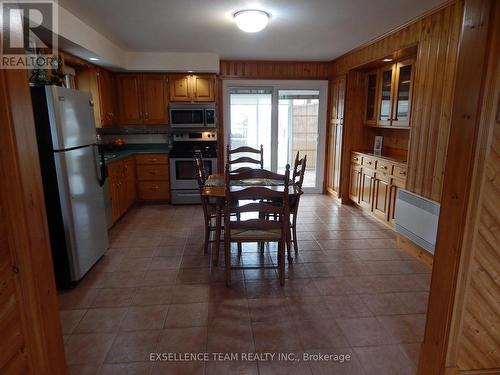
[231,69]
[437,37]
[24,216]
[475,340]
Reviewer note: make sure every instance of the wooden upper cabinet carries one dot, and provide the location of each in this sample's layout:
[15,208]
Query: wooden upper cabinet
[371,97]
[105,84]
[187,88]
[129,99]
[155,99]
[142,99]
[402,93]
[203,88]
[98,82]
[388,95]
[180,90]
[385,96]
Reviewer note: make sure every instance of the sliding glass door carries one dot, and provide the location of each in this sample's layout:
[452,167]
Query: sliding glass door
[285,117]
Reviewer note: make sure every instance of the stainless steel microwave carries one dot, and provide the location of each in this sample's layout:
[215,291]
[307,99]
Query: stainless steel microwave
[189,115]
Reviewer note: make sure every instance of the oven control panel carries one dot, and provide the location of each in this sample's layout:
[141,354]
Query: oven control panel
[194,136]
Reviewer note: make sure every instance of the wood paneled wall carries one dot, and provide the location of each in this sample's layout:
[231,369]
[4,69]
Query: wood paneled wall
[30,330]
[274,69]
[437,38]
[475,337]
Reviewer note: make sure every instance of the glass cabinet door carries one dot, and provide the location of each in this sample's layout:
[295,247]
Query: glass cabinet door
[385,109]
[371,98]
[402,100]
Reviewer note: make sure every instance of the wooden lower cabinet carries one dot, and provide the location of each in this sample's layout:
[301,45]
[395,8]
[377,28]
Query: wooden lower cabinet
[366,188]
[355,183]
[374,183]
[153,183]
[381,193]
[122,188]
[137,178]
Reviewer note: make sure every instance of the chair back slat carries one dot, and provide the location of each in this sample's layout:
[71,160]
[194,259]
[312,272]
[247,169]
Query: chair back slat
[245,159]
[253,224]
[299,169]
[254,174]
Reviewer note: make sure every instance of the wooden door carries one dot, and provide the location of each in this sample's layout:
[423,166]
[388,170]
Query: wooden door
[366,189]
[129,94]
[330,170]
[381,195]
[203,88]
[355,183]
[180,90]
[404,72]
[31,339]
[371,104]
[155,99]
[396,184]
[385,96]
[106,92]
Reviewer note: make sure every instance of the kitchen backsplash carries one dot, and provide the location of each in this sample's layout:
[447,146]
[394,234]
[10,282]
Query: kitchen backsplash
[138,138]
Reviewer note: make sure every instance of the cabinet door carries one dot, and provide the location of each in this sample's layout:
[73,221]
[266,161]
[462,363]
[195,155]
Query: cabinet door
[130,182]
[332,132]
[402,94]
[355,183]
[396,184]
[105,84]
[87,80]
[129,99]
[381,196]
[385,96]
[366,190]
[154,99]
[372,82]
[114,173]
[203,88]
[180,90]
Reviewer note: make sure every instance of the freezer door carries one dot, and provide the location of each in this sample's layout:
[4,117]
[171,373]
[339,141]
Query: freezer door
[71,117]
[82,204]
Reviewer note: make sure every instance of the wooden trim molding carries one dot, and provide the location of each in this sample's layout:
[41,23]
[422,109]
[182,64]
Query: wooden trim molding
[460,164]
[24,219]
[246,69]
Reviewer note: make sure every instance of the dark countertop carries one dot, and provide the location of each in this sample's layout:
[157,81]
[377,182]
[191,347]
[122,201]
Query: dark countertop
[115,154]
[369,153]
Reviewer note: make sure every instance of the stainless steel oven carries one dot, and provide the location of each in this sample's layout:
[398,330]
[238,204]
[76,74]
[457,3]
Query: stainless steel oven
[192,115]
[183,181]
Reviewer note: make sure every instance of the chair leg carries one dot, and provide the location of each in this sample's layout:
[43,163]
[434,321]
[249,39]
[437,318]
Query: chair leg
[207,236]
[289,245]
[294,228]
[281,262]
[261,247]
[218,229]
[227,259]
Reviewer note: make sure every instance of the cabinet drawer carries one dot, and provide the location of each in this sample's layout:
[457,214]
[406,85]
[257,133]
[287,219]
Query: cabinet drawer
[153,190]
[155,172]
[151,159]
[356,159]
[384,166]
[368,162]
[399,171]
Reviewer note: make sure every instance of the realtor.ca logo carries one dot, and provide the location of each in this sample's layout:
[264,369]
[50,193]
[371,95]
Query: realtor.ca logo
[29,34]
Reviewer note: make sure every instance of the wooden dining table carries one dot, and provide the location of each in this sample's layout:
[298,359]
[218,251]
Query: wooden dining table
[215,187]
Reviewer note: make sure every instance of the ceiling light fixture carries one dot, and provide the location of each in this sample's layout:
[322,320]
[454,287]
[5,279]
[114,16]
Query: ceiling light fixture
[93,59]
[251,20]
[387,59]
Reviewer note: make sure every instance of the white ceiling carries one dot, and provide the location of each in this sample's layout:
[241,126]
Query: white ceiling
[298,29]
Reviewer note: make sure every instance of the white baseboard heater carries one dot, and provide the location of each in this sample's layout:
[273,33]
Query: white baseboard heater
[417,219]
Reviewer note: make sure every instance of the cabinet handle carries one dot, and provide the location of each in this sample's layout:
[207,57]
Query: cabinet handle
[146,115]
[383,167]
[152,172]
[153,159]
[155,188]
[402,173]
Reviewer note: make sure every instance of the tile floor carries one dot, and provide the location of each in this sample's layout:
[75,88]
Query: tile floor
[350,291]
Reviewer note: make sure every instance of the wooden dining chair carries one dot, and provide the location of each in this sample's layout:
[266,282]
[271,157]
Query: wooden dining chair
[299,169]
[260,228]
[209,209]
[244,159]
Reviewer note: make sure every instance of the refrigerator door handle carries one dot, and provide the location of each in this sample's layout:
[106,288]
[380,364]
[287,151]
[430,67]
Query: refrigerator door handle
[101,170]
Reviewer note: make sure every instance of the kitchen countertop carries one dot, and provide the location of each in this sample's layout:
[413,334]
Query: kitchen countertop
[115,154]
[397,160]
